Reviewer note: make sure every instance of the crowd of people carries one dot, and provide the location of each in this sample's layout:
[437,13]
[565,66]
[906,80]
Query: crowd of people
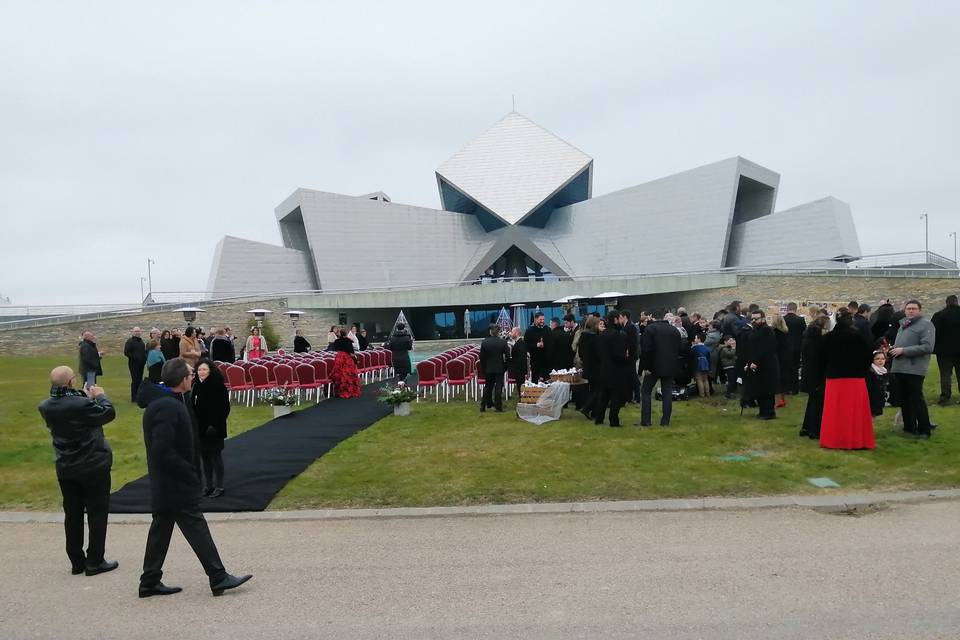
[851,363]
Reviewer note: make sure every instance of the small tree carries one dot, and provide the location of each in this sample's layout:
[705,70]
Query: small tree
[268,332]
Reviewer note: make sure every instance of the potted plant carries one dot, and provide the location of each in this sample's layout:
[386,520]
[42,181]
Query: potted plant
[281,401]
[399,398]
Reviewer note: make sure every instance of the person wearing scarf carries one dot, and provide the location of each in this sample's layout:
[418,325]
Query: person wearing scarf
[877,379]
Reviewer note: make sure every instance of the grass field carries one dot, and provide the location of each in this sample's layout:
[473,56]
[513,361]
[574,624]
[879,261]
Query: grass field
[451,454]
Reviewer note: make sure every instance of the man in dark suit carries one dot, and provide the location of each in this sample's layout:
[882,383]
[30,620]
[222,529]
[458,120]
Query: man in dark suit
[175,484]
[795,329]
[136,353]
[494,355]
[518,358]
[761,366]
[660,360]
[90,356]
[75,420]
[632,336]
[539,340]
[612,372]
[562,344]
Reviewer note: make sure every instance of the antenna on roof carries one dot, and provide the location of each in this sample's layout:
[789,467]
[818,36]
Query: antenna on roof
[513,103]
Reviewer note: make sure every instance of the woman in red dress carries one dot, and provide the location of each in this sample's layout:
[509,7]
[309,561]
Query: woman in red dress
[345,377]
[847,420]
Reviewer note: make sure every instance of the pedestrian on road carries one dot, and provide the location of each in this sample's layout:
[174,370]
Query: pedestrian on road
[75,420]
[175,487]
[136,353]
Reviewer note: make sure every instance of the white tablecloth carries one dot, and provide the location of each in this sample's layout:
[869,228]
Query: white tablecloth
[548,407]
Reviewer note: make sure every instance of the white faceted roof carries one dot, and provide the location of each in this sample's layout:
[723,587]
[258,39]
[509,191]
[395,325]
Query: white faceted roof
[513,167]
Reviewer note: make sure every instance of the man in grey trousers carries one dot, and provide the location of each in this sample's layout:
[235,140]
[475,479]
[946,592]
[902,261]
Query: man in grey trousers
[911,351]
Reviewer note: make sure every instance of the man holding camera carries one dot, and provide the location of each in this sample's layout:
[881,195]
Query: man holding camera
[75,420]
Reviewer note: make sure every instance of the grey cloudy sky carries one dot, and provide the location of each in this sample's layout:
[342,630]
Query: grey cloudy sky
[129,130]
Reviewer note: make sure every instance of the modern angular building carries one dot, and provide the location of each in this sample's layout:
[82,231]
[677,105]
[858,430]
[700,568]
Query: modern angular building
[517,203]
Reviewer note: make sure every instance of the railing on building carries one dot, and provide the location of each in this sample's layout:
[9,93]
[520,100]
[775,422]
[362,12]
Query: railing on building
[168,301]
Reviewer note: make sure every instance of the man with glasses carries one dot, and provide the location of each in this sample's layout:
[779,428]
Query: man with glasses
[175,484]
[75,420]
[911,351]
[762,368]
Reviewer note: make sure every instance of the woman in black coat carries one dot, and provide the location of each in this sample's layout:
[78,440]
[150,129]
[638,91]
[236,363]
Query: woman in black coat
[211,403]
[400,345]
[812,376]
[590,359]
[761,368]
[847,422]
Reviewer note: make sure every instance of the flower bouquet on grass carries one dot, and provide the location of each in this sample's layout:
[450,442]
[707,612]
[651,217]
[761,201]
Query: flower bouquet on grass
[281,400]
[399,397]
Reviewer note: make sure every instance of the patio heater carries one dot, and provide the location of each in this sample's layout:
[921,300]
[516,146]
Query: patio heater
[259,315]
[189,314]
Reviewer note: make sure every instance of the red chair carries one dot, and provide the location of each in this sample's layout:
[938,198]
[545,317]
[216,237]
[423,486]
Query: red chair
[306,375]
[260,378]
[321,374]
[426,378]
[284,378]
[457,376]
[238,384]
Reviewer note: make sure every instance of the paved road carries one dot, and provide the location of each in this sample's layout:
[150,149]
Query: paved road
[714,575]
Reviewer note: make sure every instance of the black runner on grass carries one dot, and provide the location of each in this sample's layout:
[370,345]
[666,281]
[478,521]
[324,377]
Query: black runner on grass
[260,462]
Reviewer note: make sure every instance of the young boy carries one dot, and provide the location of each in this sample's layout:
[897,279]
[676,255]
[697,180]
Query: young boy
[727,353]
[701,365]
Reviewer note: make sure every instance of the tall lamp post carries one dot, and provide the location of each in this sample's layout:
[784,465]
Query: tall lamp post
[953,234]
[150,261]
[142,279]
[926,232]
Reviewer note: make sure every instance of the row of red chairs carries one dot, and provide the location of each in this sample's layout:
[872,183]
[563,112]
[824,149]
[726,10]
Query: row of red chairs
[450,371]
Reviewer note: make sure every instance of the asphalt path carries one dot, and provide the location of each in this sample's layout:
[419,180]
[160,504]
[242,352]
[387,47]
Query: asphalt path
[772,573]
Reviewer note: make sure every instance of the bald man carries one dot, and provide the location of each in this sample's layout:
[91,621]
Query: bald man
[75,420]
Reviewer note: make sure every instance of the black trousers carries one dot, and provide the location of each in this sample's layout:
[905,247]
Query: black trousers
[539,371]
[913,407]
[646,391]
[194,528]
[813,414]
[793,374]
[612,397]
[212,468]
[493,392]
[765,403]
[949,366]
[136,377]
[90,494]
[731,376]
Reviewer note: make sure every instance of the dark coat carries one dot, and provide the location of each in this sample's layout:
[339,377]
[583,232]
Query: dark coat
[343,344]
[632,335]
[846,353]
[613,363]
[862,324]
[518,360]
[400,343]
[795,328]
[171,443]
[76,425]
[883,323]
[760,348]
[589,356]
[300,345]
[947,323]
[494,355]
[660,349]
[877,389]
[90,359]
[539,356]
[211,404]
[811,371]
[784,358]
[171,348]
[135,351]
[561,354]
[363,342]
[221,350]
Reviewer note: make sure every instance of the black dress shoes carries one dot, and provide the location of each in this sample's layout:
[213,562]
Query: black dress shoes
[103,567]
[216,493]
[158,589]
[229,582]
[77,570]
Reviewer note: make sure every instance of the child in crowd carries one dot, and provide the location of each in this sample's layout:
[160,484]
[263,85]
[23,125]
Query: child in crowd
[877,380]
[701,365]
[727,353]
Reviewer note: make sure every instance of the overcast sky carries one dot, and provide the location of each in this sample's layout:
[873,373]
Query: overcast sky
[129,131]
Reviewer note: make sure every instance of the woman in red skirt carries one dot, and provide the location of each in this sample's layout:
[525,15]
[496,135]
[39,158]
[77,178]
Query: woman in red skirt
[345,377]
[847,420]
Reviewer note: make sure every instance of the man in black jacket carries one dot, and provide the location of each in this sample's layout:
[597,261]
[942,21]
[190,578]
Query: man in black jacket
[539,341]
[136,354]
[494,354]
[221,347]
[90,355]
[562,343]
[75,420]
[660,360]
[947,346]
[518,359]
[632,336]
[612,375]
[175,484]
[761,367]
[795,328]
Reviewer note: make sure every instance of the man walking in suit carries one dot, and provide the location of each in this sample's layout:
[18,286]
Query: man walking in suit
[795,328]
[494,355]
[614,364]
[175,483]
[660,359]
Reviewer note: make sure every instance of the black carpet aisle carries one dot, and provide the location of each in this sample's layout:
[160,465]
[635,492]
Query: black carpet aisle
[260,462]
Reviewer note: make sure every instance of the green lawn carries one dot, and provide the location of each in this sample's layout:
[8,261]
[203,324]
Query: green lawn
[450,454]
[27,476]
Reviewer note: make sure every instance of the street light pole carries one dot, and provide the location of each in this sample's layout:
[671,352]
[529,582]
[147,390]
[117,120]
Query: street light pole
[150,261]
[954,235]
[141,288]
[926,232]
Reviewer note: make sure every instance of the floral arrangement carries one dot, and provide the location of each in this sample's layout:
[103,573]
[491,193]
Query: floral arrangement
[398,394]
[279,398]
